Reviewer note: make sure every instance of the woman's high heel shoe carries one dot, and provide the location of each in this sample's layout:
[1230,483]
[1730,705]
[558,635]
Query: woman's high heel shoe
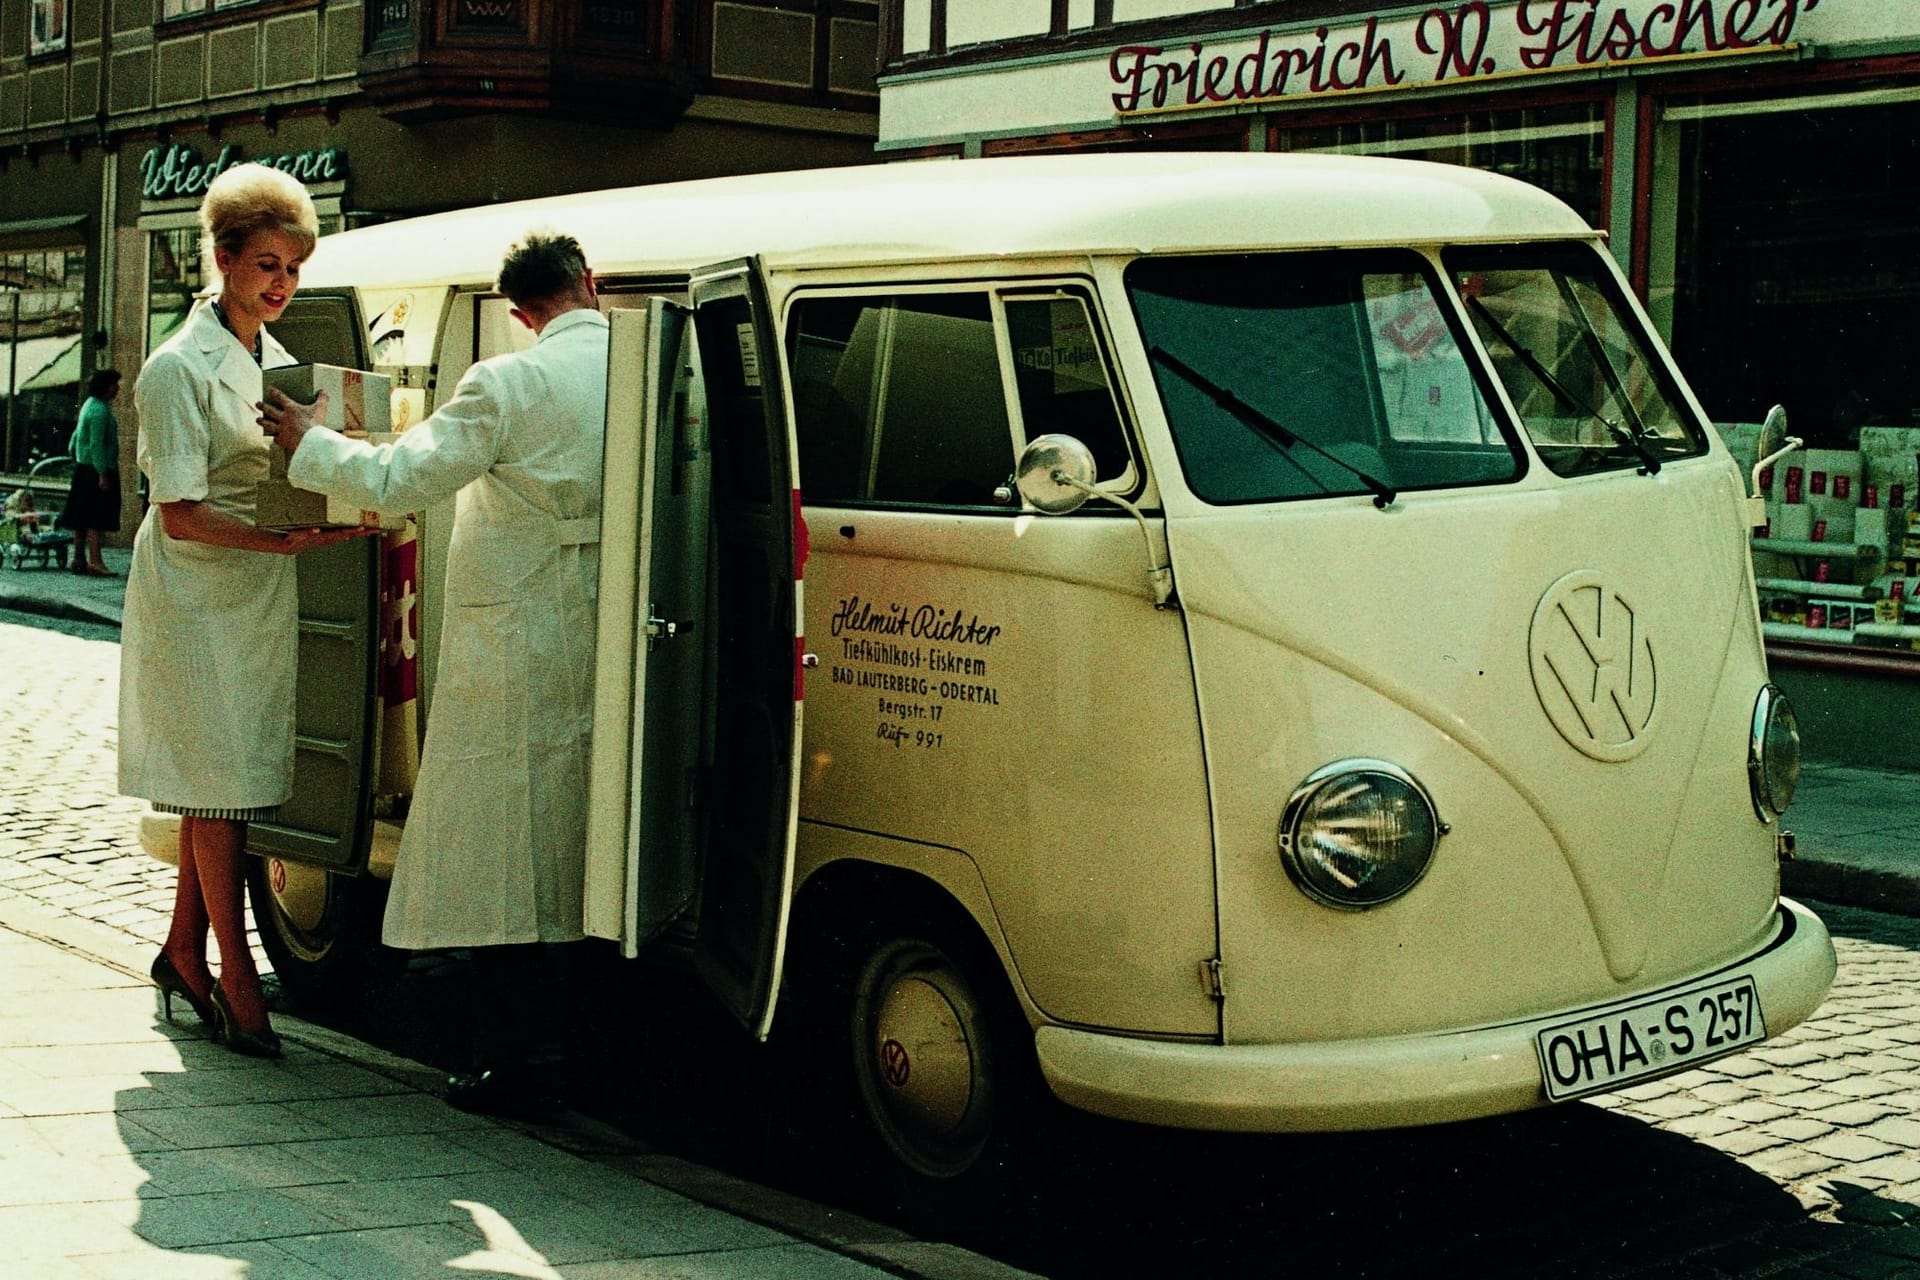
[171,984]
[254,1044]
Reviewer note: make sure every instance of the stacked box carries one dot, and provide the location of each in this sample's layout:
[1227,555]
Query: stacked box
[1832,489]
[357,405]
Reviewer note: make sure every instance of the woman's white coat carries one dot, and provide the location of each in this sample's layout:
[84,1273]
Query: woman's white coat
[209,634]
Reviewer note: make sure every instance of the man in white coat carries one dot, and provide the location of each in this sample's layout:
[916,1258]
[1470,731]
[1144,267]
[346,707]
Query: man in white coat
[493,857]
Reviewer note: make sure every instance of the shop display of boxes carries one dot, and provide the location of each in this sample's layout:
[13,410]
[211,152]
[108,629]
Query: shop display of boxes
[357,405]
[1866,504]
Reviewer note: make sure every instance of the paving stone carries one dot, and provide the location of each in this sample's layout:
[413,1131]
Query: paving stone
[1756,1112]
[1851,1114]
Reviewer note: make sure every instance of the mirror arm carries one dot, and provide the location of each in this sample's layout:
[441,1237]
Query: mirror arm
[1159,577]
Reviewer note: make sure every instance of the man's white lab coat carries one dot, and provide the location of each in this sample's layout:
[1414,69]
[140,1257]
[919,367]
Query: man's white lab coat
[494,848]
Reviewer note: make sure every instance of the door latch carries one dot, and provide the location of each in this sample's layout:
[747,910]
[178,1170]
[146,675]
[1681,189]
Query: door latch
[660,630]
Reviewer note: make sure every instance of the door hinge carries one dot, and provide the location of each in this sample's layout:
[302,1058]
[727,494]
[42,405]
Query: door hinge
[1213,976]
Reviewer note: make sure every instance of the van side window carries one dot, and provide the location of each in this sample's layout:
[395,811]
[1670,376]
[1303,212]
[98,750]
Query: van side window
[1062,379]
[900,399]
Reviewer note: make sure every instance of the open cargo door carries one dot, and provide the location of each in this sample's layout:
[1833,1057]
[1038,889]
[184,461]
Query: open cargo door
[697,717]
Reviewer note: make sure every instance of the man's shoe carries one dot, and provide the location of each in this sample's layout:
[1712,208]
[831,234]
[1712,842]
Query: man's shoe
[520,1095]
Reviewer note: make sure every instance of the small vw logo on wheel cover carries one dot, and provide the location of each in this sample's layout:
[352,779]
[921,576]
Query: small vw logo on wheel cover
[1593,667]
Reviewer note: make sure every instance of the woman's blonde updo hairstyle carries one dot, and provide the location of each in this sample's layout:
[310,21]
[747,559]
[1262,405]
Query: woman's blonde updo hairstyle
[254,197]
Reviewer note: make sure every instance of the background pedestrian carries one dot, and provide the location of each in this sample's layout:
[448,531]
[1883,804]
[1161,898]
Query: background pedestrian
[93,498]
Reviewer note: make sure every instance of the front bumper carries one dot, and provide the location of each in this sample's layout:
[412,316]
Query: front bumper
[1386,1082]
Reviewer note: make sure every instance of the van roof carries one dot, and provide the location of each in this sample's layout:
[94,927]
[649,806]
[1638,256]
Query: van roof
[970,209]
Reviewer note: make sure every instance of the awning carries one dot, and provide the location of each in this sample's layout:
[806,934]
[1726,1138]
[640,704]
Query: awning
[61,371]
[43,233]
[37,362]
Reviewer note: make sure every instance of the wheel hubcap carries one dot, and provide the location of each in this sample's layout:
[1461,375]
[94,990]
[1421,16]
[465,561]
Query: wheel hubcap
[924,1067]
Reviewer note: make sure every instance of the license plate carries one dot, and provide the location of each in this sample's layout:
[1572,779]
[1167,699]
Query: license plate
[1609,1050]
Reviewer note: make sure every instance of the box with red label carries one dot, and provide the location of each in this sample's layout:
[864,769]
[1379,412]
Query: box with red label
[357,405]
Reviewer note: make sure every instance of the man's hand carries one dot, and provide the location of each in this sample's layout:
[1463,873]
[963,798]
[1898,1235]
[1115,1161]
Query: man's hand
[287,420]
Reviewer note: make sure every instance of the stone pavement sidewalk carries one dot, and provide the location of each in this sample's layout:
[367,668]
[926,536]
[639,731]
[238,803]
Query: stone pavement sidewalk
[136,1149]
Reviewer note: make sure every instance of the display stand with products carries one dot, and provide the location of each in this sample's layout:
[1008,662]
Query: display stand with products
[1838,561]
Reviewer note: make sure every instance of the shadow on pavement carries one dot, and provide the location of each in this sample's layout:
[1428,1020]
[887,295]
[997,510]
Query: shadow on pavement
[1574,1191]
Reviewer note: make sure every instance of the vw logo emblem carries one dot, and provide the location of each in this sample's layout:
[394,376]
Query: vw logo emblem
[895,1066]
[1593,667]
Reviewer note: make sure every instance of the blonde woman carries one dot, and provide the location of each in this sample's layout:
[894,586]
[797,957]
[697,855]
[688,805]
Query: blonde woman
[208,640]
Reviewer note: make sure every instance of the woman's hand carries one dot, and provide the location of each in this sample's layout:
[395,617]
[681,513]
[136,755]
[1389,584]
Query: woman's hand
[298,540]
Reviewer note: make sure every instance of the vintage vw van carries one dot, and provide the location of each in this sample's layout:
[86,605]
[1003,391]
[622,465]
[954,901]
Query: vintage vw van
[1276,634]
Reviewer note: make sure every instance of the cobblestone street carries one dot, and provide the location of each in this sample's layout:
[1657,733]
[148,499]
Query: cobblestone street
[1829,1115]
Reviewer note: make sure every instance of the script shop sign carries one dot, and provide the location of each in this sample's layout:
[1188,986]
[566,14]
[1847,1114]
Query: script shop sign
[1474,40]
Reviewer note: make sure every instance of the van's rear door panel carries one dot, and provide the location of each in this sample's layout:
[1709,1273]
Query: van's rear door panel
[325,822]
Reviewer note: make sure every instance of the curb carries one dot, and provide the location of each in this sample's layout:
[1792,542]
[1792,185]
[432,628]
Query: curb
[68,610]
[1869,888]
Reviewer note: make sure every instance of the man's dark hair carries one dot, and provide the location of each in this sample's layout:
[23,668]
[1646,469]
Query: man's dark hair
[102,381]
[543,266]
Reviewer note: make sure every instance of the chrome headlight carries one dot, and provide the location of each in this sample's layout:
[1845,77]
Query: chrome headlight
[1773,753]
[1358,833]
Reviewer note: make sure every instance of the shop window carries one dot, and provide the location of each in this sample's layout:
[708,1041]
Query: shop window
[49,26]
[43,358]
[1795,283]
[1560,149]
[170,9]
[176,272]
[1311,375]
[173,278]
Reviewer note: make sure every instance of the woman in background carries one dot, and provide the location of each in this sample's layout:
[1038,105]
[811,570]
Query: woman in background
[208,640]
[93,500]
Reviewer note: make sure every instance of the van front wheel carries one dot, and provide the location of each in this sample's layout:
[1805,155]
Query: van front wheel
[943,1076]
[321,930]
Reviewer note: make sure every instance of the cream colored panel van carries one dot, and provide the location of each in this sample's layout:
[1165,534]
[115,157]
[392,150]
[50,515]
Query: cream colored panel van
[1266,643]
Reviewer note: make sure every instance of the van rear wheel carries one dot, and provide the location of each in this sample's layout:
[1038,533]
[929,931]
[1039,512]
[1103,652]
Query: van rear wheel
[321,931]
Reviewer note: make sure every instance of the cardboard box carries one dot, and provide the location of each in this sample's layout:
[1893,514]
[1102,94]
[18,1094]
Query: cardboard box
[277,504]
[357,405]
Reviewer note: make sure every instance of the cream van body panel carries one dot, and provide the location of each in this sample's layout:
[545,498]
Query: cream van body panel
[1059,749]
[1312,634]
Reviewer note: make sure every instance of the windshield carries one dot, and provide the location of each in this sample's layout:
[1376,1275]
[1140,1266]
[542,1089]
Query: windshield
[1576,363]
[1307,375]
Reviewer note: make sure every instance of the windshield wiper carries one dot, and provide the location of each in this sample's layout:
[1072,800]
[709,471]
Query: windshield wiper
[1383,494]
[1566,397]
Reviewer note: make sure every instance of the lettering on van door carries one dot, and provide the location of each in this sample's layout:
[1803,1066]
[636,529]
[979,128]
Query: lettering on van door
[927,668]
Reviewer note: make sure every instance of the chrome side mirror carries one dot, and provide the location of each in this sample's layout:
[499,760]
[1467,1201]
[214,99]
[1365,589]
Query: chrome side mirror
[1055,475]
[1772,445]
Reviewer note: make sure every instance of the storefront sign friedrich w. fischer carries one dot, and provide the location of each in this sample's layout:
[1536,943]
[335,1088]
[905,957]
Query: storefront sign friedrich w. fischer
[1470,40]
[176,173]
